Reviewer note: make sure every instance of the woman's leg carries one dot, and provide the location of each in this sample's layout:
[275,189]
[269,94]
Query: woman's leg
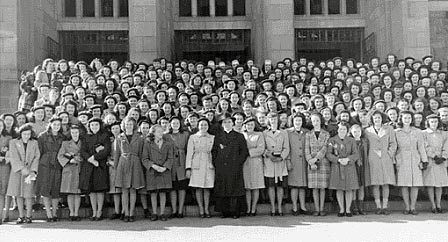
[294,197]
[125,200]
[47,204]
[414,195]
[173,195]
[302,199]
[438,197]
[162,196]
[255,196]
[7,206]
[280,199]
[200,200]
[271,193]
[29,207]
[248,200]
[71,204]
[180,210]
[405,195]
[20,201]
[144,200]
[77,203]
[100,203]
[340,198]
[2,205]
[54,205]
[154,202]
[322,199]
[93,203]
[385,196]
[132,201]
[206,200]
[348,200]
[117,200]
[316,199]
[431,197]
[377,196]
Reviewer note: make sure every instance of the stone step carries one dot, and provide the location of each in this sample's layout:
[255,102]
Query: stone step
[262,209]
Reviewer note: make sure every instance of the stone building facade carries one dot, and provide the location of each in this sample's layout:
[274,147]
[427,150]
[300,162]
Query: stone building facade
[141,30]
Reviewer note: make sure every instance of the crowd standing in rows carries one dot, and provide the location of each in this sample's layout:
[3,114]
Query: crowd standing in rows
[227,132]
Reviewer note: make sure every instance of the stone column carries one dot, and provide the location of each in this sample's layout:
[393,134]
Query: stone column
[116,6]
[79,8]
[343,7]
[97,8]
[212,8]
[307,7]
[229,7]
[194,8]
[325,7]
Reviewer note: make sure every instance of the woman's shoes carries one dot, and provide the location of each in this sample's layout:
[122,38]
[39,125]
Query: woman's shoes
[253,214]
[439,210]
[49,220]
[115,216]
[154,217]
[406,212]
[304,212]
[315,213]
[385,211]
[131,219]
[163,218]
[341,214]
[6,220]
[378,211]
[414,212]
[20,220]
[349,215]
[180,215]
[92,218]
[207,215]
[273,214]
[322,213]
[55,219]
[28,220]
[202,215]
[174,215]
[433,210]
[295,213]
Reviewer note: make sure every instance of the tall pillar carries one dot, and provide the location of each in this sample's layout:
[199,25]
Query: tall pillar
[307,7]
[343,7]
[278,29]
[325,7]
[212,8]
[116,6]
[79,8]
[142,31]
[97,8]
[194,8]
[229,7]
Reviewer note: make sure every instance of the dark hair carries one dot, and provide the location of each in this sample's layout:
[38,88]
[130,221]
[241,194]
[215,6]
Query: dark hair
[383,116]
[322,121]
[26,127]
[439,124]
[400,122]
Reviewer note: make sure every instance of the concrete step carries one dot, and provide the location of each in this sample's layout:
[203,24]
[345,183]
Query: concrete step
[262,209]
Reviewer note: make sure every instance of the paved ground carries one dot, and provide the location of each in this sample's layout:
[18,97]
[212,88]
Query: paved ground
[396,227]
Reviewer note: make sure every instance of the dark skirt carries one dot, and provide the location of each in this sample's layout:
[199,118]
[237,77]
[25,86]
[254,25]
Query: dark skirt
[181,185]
[270,182]
[230,205]
[48,182]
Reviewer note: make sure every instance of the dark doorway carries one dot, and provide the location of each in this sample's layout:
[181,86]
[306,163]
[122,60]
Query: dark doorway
[217,56]
[318,55]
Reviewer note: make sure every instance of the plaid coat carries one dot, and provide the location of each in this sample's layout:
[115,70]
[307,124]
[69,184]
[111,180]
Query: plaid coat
[317,148]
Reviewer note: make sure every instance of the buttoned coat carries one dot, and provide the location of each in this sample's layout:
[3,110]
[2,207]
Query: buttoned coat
[317,148]
[70,171]
[128,162]
[297,175]
[163,156]
[410,152]
[253,167]
[48,182]
[277,142]
[199,160]
[436,144]
[382,148]
[229,153]
[19,159]
[343,177]
[92,178]
[180,141]
[5,166]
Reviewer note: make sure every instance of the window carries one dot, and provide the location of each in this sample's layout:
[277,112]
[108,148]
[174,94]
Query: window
[352,7]
[107,8]
[88,8]
[203,8]
[70,8]
[316,6]
[220,7]
[299,7]
[124,8]
[184,8]
[239,7]
[334,7]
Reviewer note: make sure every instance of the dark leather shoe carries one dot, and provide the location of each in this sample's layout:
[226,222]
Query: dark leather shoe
[341,214]
[20,220]
[115,216]
[385,211]
[163,217]
[414,212]
[131,219]
[349,215]
[154,217]
[28,220]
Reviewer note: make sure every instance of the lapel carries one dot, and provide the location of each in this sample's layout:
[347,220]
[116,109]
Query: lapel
[28,151]
[21,149]
[382,132]
[134,138]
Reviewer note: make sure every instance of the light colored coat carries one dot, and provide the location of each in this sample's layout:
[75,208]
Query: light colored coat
[297,175]
[410,152]
[276,142]
[199,160]
[253,167]
[70,171]
[436,145]
[382,148]
[21,159]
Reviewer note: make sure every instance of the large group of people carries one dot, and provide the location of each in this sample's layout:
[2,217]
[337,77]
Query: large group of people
[229,132]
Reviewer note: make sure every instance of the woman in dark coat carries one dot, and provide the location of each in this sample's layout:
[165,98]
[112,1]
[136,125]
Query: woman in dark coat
[94,178]
[48,183]
[229,153]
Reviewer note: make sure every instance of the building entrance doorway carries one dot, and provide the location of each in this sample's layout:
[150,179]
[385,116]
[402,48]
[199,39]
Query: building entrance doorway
[324,44]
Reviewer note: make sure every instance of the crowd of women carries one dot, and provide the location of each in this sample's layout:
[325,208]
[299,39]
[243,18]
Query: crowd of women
[227,132]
